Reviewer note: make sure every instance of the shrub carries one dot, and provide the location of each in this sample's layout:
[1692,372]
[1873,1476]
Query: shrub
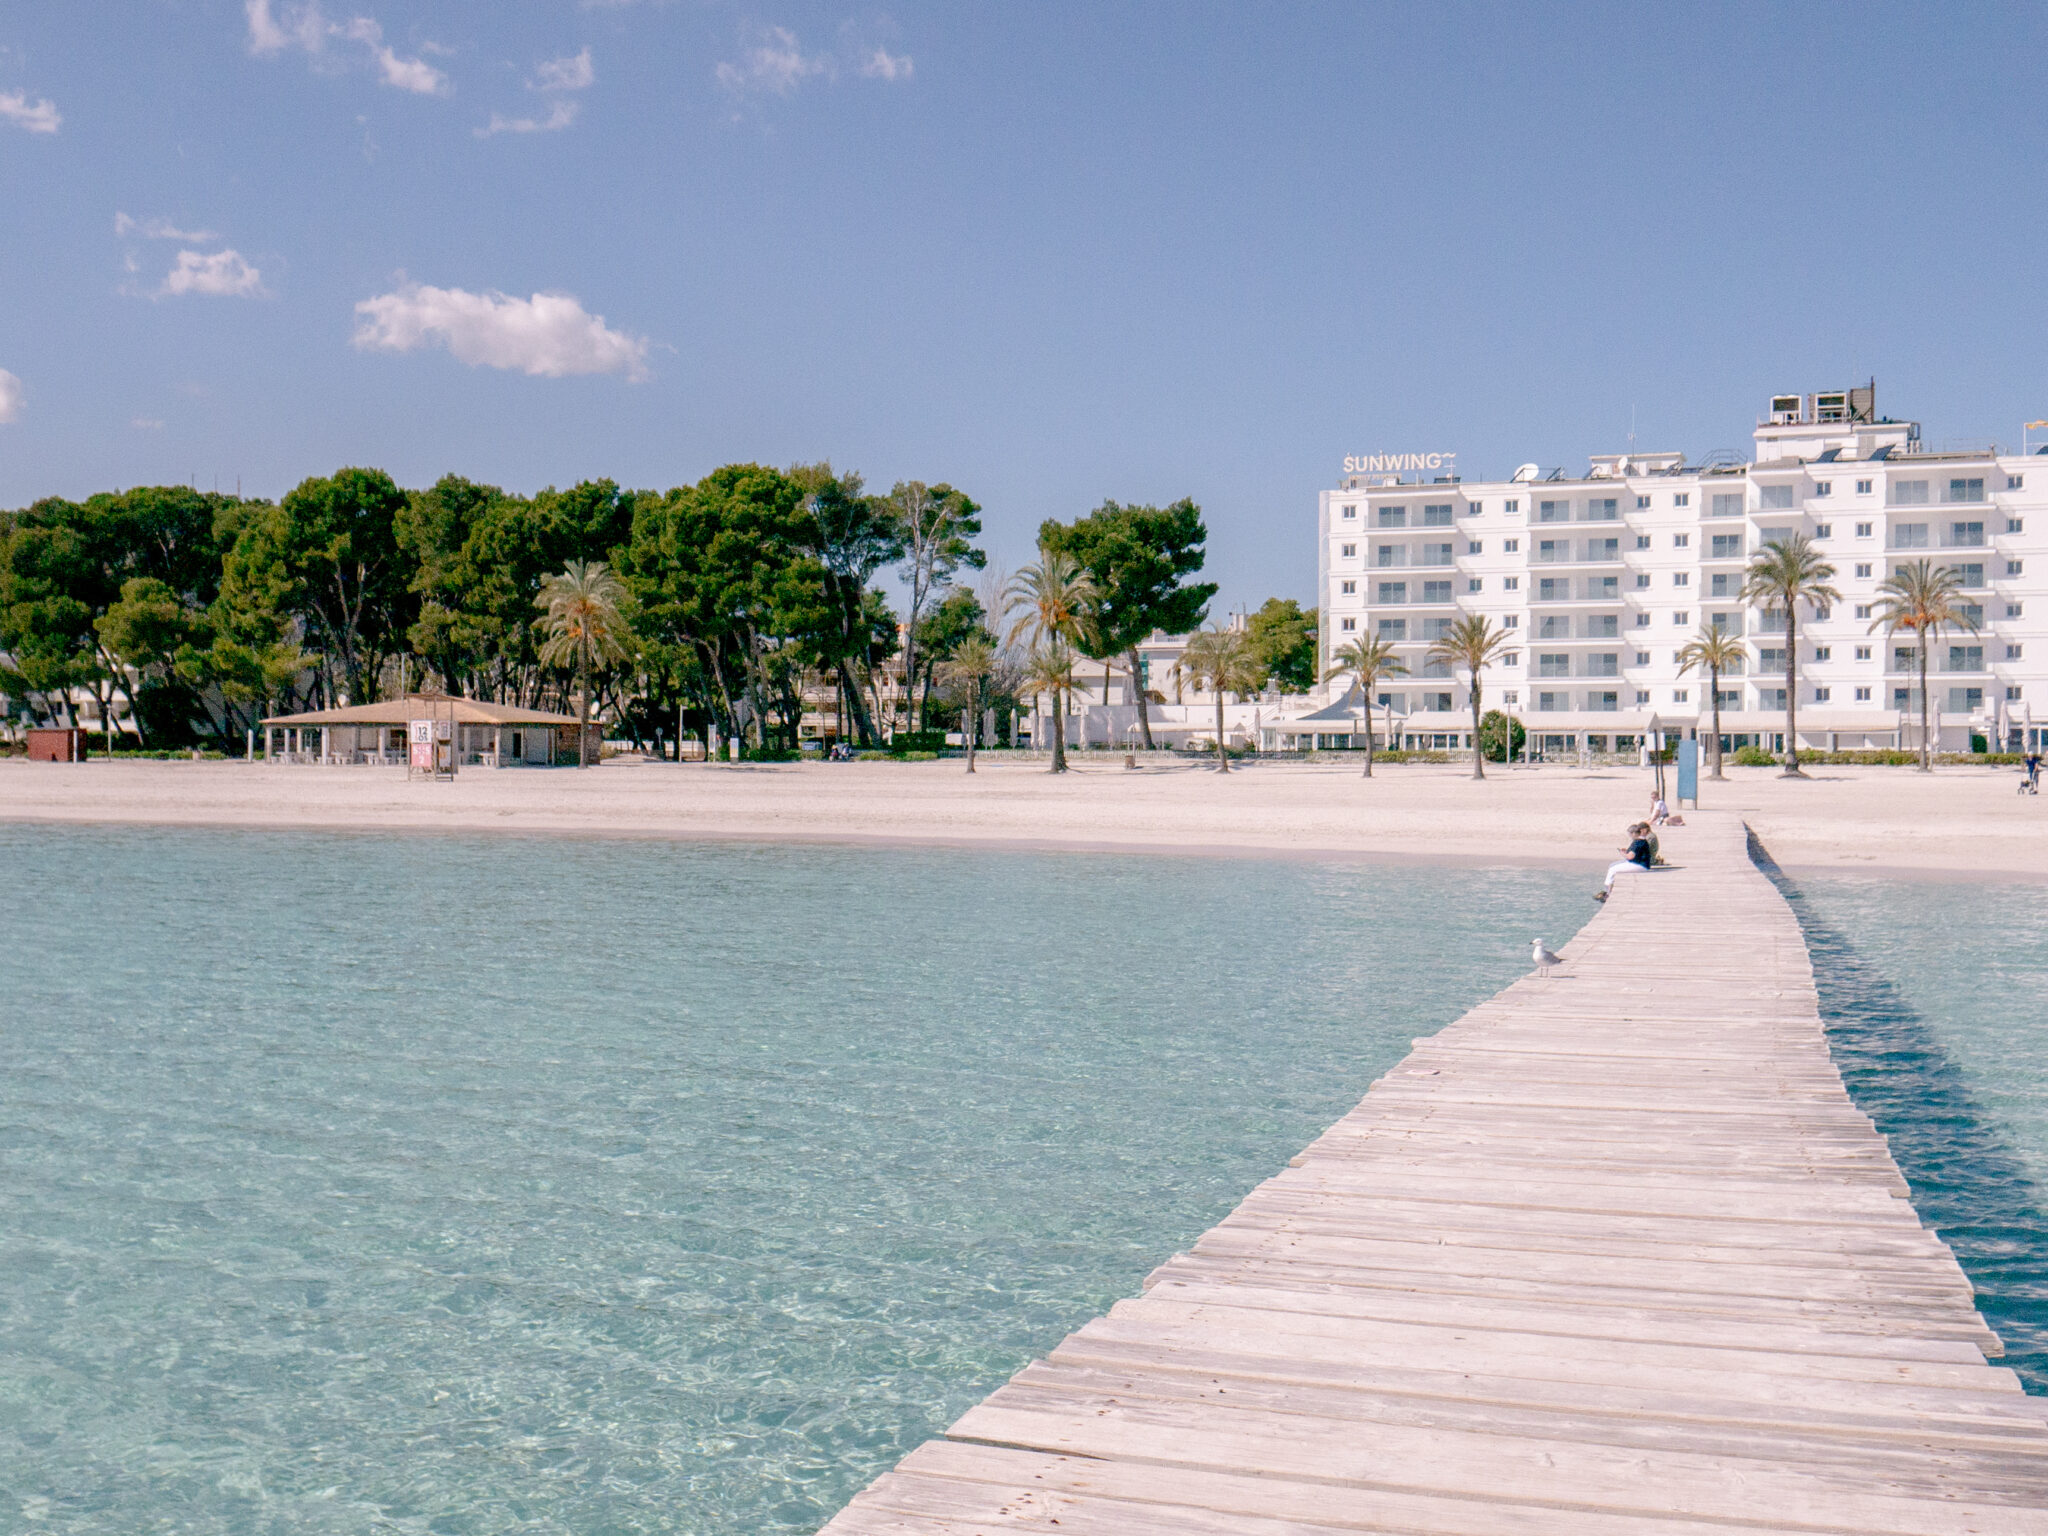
[1752,757]
[905,743]
[1499,736]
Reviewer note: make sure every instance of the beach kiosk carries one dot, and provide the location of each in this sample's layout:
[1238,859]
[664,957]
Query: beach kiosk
[435,733]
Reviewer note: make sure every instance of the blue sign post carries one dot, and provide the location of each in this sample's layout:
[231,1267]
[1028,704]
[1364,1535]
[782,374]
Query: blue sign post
[1689,773]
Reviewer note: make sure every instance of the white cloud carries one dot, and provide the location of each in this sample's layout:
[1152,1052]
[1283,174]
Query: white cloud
[776,63]
[11,397]
[553,78]
[549,335]
[560,115]
[158,229]
[145,424]
[881,64]
[220,275]
[572,73]
[303,27]
[40,116]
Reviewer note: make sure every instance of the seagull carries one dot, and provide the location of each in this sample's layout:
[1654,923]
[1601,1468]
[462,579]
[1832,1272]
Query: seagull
[1540,955]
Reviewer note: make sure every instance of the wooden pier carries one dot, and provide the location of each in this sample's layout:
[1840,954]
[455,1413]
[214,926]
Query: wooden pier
[1613,1254]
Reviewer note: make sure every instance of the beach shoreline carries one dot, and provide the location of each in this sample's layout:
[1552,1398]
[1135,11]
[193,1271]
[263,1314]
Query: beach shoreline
[1957,824]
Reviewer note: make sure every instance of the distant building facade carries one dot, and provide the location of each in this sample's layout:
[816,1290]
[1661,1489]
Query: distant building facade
[1600,578]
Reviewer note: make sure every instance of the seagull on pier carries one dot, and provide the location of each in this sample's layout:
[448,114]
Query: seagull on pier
[1540,954]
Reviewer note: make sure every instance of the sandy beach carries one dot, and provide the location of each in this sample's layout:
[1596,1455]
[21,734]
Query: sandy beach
[1957,823]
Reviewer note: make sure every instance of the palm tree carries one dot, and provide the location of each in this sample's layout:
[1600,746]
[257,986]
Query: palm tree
[1781,575]
[1372,661]
[1471,643]
[1714,651]
[1221,659]
[584,627]
[972,660]
[1925,598]
[1050,669]
[1051,600]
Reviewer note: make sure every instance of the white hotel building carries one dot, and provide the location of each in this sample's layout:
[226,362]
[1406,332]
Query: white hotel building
[1600,578]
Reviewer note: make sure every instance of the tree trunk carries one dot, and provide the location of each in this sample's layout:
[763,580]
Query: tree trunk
[972,721]
[1791,695]
[1059,733]
[1222,757]
[864,728]
[1368,735]
[1926,740]
[1138,692]
[583,714]
[1714,676]
[1478,752]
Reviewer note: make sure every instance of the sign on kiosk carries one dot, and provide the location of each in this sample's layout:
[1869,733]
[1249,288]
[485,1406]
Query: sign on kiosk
[425,734]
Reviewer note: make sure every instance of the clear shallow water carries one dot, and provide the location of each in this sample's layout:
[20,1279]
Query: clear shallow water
[465,1186]
[1936,1002]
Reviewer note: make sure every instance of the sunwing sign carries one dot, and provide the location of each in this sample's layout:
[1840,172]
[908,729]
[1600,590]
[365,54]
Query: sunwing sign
[1398,463]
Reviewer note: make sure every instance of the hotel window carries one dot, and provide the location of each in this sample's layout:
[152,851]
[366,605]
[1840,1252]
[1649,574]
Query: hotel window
[1557,665]
[1642,695]
[1393,591]
[2015,525]
[1511,659]
[1775,498]
[1682,499]
[1863,610]
[1823,487]
[1350,625]
[1725,504]
[1681,618]
[1511,546]
[1436,591]
[1970,575]
[1436,516]
[1512,621]
[2012,690]
[1439,703]
[1642,580]
[1965,490]
[2014,567]
[1604,509]
[1862,695]
[2014,482]
[1642,502]
[1642,541]
[1512,584]
[1681,578]
[1823,530]
[1642,658]
[1393,517]
[2012,653]
[1823,653]
[1909,536]
[1862,487]
[1863,653]
[1642,621]
[1823,611]
[1350,587]
[1512,504]
[1863,530]
[1475,547]
[1681,541]
[1724,584]
[1474,508]
[1727,546]
[1351,511]
[1474,584]
[2012,610]
[1553,511]
[1821,695]
[1680,695]
[1863,569]
[1350,551]
[1511,697]
[1393,629]
[1909,493]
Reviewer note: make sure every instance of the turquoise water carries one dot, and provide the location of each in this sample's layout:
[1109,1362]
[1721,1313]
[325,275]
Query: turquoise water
[486,1185]
[1936,1002]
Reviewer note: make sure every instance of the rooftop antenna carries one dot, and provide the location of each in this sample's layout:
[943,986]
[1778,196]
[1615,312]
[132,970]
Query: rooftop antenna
[1631,429]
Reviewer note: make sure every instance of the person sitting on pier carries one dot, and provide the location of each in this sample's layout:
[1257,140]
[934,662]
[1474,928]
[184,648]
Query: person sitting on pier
[1640,854]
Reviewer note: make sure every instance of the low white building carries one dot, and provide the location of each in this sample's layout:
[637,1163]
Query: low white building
[1602,577]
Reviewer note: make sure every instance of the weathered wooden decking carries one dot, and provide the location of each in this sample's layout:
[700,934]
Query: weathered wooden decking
[1612,1254]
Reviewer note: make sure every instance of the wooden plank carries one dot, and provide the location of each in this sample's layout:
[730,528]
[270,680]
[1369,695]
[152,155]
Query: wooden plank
[1613,1254]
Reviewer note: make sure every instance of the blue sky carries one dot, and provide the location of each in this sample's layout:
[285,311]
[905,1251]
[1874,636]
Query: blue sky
[1052,253]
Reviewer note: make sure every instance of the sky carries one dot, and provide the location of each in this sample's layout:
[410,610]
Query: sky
[1049,253]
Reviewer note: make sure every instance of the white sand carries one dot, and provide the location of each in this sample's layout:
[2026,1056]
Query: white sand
[1958,822]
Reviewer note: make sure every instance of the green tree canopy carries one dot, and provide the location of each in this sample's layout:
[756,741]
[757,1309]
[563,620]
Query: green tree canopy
[1285,640]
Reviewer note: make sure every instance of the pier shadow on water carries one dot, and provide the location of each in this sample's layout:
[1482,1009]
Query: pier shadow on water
[1967,1182]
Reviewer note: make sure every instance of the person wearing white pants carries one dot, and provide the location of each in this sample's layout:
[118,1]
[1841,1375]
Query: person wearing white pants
[1637,863]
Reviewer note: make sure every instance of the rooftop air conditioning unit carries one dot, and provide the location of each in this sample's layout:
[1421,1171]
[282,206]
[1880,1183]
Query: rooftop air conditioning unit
[1786,410]
[1831,406]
